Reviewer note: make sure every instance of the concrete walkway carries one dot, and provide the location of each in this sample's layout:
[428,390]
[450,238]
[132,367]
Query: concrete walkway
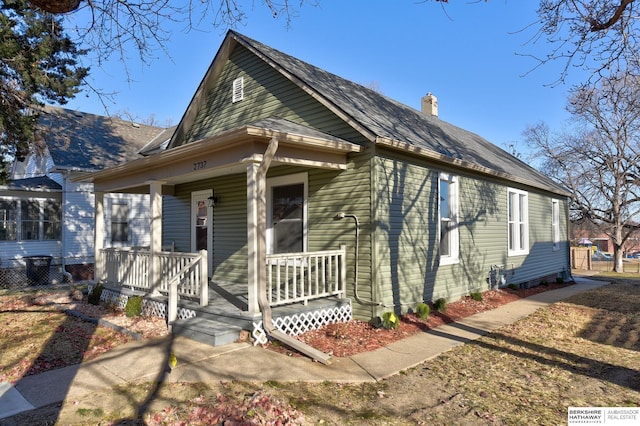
[147,360]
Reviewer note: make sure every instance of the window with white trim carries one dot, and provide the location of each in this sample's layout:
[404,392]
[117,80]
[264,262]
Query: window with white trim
[238,90]
[33,219]
[448,208]
[518,212]
[555,223]
[119,222]
[8,220]
[287,214]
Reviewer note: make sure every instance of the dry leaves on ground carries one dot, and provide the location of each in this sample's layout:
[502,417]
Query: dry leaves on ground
[39,334]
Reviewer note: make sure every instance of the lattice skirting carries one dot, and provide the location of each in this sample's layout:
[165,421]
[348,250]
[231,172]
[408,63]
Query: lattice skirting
[301,323]
[150,307]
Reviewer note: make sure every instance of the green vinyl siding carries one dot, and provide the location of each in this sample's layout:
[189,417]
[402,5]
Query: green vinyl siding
[347,191]
[267,93]
[229,224]
[406,259]
[406,213]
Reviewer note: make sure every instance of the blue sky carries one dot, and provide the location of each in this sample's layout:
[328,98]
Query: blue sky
[465,52]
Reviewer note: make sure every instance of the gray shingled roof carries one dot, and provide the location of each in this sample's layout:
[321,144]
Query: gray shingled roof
[41,183]
[387,118]
[83,141]
[158,143]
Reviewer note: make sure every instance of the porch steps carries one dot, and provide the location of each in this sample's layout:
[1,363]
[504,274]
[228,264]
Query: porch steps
[207,331]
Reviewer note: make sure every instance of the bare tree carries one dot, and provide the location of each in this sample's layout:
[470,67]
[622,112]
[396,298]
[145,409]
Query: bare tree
[599,160]
[109,27]
[599,36]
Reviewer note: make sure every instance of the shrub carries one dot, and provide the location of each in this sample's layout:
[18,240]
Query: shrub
[477,296]
[559,280]
[513,286]
[96,293]
[133,308]
[423,310]
[440,305]
[390,320]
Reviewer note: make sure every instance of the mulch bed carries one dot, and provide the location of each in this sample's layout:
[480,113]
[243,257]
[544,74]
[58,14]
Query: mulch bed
[347,339]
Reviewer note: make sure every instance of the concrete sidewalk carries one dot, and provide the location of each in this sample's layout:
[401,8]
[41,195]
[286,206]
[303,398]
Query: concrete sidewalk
[147,360]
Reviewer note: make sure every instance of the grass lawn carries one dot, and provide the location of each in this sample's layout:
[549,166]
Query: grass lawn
[584,351]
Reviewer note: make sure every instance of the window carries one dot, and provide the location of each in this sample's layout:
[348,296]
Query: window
[29,219]
[448,207]
[287,218]
[238,90]
[517,205]
[51,229]
[119,222]
[8,220]
[555,223]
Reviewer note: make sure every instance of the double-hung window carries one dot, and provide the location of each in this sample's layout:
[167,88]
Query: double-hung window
[555,223]
[119,222]
[448,208]
[518,212]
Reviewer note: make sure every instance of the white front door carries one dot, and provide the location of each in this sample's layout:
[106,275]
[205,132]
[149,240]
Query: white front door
[201,225]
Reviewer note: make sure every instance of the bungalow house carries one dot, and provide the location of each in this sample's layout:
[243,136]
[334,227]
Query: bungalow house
[44,213]
[299,186]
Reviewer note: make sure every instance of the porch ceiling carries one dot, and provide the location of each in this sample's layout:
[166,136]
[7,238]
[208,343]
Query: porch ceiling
[223,154]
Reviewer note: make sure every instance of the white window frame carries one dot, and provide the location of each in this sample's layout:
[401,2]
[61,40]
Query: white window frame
[555,224]
[293,179]
[454,235]
[120,202]
[19,237]
[238,90]
[519,220]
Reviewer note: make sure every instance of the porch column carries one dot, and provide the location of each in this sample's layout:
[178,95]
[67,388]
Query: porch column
[155,235]
[253,238]
[98,236]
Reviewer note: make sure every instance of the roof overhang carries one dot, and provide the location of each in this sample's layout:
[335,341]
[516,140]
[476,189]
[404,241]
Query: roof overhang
[436,156]
[223,154]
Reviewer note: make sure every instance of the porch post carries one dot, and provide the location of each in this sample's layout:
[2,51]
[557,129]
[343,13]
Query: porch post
[155,235]
[98,237]
[253,238]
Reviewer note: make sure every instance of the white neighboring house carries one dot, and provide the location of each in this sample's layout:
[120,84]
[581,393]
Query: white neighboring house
[44,213]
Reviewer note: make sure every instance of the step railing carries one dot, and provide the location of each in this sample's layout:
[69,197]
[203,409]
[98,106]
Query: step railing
[300,277]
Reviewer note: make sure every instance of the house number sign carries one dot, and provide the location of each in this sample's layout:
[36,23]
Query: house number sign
[199,165]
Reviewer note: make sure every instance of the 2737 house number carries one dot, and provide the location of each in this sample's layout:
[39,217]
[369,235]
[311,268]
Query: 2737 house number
[199,165]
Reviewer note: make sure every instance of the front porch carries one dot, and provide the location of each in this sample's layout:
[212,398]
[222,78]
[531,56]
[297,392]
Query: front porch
[305,291]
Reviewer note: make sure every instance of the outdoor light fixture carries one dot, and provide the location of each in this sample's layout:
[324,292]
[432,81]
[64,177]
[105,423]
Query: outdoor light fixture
[212,201]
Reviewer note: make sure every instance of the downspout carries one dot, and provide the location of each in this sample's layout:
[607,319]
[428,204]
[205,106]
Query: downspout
[63,234]
[263,303]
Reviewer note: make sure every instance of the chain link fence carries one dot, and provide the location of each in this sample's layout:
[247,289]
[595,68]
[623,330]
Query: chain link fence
[38,272]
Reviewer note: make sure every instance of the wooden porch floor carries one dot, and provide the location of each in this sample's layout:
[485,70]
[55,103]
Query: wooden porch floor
[229,300]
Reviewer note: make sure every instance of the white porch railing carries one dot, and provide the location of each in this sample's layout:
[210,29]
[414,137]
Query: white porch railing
[300,277]
[129,267]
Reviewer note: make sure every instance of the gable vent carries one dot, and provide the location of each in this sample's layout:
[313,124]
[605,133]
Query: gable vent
[238,89]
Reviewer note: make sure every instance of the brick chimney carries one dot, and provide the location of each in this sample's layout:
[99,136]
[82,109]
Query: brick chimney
[430,105]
